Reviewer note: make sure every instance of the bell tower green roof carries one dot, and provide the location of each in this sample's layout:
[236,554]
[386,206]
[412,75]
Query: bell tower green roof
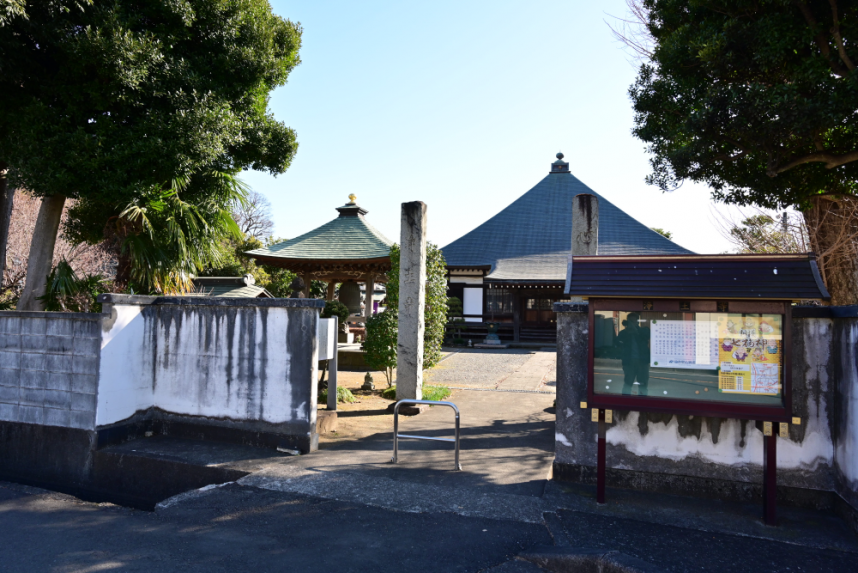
[349,237]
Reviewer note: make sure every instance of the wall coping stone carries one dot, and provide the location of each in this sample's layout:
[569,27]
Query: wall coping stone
[141,300]
[571,307]
[94,316]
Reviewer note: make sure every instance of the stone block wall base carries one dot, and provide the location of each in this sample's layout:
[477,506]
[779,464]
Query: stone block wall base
[326,421]
[707,488]
[410,409]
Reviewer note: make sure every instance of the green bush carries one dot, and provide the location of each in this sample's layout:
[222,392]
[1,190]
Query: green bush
[433,393]
[66,292]
[336,308]
[343,395]
[380,345]
[454,307]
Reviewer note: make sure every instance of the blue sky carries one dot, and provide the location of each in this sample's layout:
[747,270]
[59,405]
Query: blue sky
[463,105]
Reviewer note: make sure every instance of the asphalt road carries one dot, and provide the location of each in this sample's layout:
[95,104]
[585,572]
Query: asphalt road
[235,528]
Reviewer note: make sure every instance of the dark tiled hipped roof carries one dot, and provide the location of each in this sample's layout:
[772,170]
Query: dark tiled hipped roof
[236,287]
[762,277]
[531,239]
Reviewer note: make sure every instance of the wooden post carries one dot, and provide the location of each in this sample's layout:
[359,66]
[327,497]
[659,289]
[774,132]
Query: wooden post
[770,479]
[516,317]
[369,281]
[332,285]
[600,460]
[308,281]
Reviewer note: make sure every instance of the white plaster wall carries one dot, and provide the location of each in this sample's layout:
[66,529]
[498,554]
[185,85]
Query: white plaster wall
[473,303]
[125,373]
[466,280]
[224,381]
[212,363]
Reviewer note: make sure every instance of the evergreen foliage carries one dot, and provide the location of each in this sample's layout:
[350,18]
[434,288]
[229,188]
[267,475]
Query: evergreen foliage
[754,99]
[110,103]
[336,308]
[455,309]
[380,345]
[666,234]
[66,292]
[757,100]
[235,263]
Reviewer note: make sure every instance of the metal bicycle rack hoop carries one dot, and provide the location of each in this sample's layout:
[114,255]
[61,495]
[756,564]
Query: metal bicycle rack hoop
[397,435]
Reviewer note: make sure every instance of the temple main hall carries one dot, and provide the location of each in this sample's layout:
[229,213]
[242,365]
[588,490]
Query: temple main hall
[512,268]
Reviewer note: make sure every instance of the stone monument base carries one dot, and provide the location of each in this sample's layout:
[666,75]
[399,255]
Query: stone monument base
[326,421]
[409,409]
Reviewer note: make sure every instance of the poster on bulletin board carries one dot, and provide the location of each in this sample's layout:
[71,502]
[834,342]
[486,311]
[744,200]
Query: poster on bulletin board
[749,354]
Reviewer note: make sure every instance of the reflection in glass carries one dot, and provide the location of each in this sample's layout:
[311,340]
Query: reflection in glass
[716,357]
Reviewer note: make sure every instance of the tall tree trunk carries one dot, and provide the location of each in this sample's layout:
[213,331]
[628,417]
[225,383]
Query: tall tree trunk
[7,197]
[42,252]
[832,224]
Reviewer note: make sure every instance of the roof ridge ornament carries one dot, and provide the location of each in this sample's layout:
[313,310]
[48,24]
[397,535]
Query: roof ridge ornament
[560,166]
[352,209]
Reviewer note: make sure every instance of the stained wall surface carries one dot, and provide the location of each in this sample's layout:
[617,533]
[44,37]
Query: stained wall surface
[697,454]
[220,363]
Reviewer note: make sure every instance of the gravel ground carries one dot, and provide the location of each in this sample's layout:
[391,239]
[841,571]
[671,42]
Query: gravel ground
[477,368]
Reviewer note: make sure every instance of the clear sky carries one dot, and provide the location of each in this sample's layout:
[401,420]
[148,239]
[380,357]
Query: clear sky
[463,105]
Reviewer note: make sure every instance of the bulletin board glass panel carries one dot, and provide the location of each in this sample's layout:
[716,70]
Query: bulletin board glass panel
[730,358]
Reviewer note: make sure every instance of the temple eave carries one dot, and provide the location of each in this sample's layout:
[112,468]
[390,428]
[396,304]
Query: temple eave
[326,269]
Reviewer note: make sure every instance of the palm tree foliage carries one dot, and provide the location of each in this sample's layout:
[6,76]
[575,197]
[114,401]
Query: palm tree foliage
[169,238]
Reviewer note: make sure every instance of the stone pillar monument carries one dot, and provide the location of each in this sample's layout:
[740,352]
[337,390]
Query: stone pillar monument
[585,231]
[585,225]
[412,298]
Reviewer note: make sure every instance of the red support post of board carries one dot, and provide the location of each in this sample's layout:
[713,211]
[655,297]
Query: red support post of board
[600,460]
[770,479]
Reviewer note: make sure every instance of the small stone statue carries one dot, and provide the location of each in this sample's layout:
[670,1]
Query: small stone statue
[297,287]
[367,382]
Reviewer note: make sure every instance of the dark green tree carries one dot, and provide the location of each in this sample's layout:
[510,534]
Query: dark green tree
[662,232]
[110,102]
[380,345]
[757,100]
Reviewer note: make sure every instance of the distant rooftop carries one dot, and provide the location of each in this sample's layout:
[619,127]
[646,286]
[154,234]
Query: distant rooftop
[530,240]
[240,287]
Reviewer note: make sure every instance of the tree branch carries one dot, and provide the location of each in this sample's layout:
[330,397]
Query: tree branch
[835,31]
[831,161]
[820,39]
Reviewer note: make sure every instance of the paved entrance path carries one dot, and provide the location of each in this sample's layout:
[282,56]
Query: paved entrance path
[507,369]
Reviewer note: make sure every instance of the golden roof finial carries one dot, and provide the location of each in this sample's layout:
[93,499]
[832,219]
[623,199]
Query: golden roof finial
[352,197]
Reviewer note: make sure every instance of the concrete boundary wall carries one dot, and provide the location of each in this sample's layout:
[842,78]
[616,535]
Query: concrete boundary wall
[49,368]
[720,457]
[240,365]
[238,370]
